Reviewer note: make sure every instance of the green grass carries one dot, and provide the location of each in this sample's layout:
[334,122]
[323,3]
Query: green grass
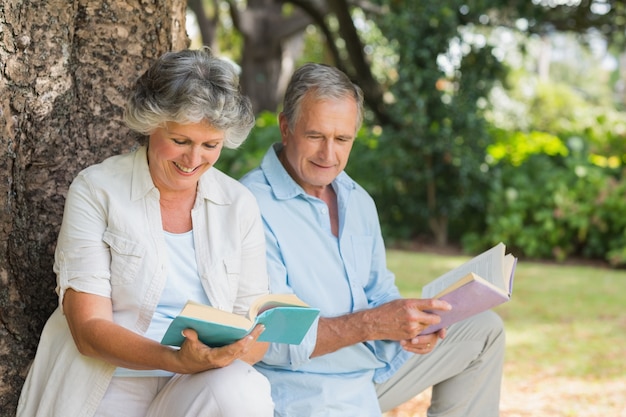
[562,320]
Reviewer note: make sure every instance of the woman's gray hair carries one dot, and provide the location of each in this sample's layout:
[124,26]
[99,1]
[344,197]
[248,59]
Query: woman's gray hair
[319,82]
[191,86]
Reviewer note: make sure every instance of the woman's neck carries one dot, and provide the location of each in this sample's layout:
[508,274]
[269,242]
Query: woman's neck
[176,211]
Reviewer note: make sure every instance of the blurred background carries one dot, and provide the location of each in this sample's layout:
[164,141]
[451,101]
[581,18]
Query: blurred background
[487,120]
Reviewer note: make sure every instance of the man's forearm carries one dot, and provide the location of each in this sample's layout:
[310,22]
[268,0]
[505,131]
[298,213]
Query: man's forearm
[338,332]
[401,319]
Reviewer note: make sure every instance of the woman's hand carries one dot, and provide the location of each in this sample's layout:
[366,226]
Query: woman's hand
[194,356]
[90,319]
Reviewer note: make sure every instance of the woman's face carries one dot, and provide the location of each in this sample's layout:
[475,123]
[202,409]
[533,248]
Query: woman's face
[179,154]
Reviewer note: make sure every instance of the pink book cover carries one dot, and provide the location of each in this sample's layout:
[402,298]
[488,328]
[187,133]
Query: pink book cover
[467,300]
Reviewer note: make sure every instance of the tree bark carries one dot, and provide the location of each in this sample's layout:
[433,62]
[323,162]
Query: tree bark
[65,69]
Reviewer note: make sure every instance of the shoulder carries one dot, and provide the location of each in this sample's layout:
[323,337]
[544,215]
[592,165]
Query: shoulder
[229,188]
[267,176]
[111,163]
[254,180]
[113,170]
[345,183]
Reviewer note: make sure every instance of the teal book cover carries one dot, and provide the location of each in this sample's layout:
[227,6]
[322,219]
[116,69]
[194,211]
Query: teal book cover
[283,324]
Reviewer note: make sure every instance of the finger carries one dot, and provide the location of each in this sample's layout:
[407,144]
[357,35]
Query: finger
[436,304]
[420,349]
[430,304]
[243,345]
[256,332]
[190,334]
[442,333]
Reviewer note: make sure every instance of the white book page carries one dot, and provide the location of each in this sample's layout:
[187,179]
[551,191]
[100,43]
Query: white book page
[487,265]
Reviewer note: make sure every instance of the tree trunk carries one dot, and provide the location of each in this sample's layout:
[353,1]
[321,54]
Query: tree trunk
[65,68]
[270,43]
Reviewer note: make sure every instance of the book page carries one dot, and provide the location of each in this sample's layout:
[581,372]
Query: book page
[215,315]
[274,300]
[488,265]
[509,270]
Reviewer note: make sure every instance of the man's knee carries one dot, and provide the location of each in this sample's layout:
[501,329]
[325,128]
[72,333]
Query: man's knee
[486,325]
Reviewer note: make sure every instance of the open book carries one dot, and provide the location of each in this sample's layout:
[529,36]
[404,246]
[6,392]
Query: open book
[286,318]
[481,283]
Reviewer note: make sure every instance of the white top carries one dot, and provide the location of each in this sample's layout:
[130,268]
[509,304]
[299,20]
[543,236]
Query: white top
[111,243]
[183,283]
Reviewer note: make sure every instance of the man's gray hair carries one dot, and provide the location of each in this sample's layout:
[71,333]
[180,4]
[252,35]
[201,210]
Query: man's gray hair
[319,82]
[191,86]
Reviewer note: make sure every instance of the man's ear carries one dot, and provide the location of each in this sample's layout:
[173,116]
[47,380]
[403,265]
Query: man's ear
[283,125]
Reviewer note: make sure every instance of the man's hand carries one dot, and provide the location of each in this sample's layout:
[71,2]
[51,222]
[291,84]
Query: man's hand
[423,344]
[400,320]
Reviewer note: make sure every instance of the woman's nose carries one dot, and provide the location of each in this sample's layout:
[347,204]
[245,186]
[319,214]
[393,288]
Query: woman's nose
[193,156]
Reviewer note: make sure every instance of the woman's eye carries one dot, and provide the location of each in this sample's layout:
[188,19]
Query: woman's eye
[179,141]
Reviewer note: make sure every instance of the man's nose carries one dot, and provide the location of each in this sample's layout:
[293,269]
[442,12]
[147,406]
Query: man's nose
[326,148]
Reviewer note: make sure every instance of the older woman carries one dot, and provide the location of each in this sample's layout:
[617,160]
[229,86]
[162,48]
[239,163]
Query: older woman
[142,233]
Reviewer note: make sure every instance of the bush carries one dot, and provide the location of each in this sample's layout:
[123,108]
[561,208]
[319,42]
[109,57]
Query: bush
[554,207]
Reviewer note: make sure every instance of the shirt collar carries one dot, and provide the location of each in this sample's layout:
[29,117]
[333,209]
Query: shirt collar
[141,182]
[285,187]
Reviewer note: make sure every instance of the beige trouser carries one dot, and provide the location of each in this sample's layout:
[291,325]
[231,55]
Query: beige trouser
[465,371]
[234,391]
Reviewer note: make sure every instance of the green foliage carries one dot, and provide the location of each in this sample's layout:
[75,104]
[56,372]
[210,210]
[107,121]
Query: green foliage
[552,197]
[517,147]
[563,111]
[237,162]
[555,207]
[536,166]
[431,155]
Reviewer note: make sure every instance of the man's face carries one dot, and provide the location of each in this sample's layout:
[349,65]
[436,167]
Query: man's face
[317,149]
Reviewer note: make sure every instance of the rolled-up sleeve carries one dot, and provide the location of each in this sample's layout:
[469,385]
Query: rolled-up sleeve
[82,258]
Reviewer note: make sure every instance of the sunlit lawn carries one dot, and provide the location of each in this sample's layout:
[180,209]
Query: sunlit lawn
[563,321]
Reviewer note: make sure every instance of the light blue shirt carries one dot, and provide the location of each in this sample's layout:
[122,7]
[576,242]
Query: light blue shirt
[183,283]
[337,275]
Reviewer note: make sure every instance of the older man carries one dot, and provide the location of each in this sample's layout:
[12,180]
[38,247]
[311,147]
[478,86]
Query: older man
[324,243]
